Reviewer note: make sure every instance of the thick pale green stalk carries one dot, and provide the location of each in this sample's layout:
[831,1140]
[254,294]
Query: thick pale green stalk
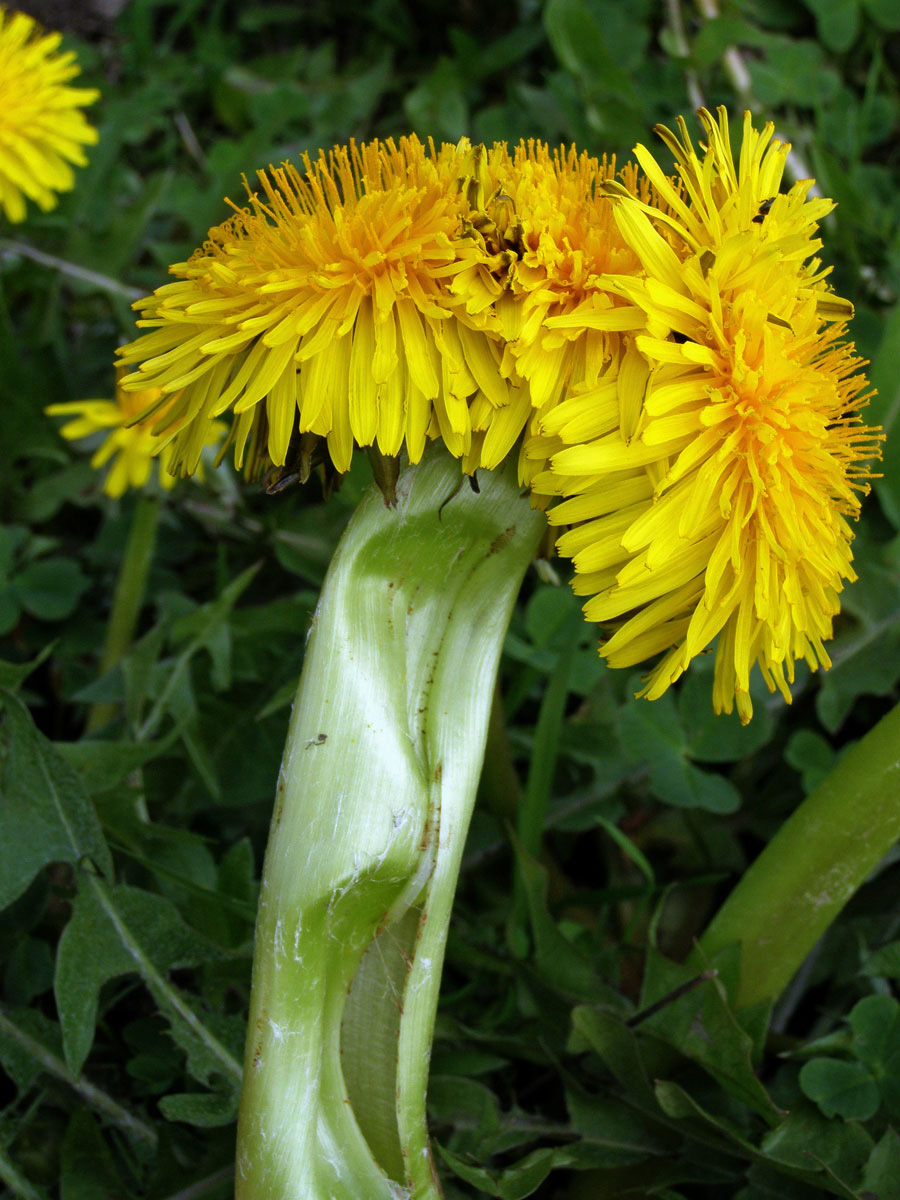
[813,865]
[376,789]
[127,598]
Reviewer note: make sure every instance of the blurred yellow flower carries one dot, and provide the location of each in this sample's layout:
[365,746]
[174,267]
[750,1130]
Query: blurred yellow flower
[131,445]
[326,308]
[722,510]
[42,127]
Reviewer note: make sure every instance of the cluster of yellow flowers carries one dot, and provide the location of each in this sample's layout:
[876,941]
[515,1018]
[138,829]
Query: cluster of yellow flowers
[668,347]
[666,352]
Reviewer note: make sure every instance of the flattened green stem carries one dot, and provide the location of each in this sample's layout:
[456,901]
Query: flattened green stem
[127,598]
[374,798]
[814,864]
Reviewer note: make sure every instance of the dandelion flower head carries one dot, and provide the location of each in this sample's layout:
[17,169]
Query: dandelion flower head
[324,310]
[562,324]
[130,445]
[43,130]
[725,512]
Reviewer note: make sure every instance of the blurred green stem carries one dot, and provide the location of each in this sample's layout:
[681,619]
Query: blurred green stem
[532,809]
[127,598]
[814,864]
[116,1113]
[16,1182]
[377,784]
[13,249]
[500,788]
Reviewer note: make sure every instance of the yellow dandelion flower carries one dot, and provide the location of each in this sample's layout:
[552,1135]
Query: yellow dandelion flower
[561,321]
[42,127]
[130,445]
[725,513]
[325,309]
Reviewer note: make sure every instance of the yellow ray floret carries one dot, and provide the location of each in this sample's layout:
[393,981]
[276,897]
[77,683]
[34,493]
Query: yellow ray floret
[42,127]
[725,512]
[561,322]
[130,445]
[326,308]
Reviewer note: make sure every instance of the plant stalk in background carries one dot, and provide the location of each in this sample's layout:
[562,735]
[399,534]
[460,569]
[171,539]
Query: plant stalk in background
[127,599]
[376,789]
[812,866]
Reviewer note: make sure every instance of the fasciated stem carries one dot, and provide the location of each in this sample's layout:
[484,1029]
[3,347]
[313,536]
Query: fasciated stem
[814,864]
[374,798]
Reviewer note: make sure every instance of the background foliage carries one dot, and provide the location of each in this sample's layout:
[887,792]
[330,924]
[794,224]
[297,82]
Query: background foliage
[129,859]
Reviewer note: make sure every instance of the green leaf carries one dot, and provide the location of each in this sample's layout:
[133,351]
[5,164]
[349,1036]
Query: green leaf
[137,668]
[882,1173]
[577,33]
[805,1138]
[716,35]
[793,72]
[884,408]
[840,1088]
[12,538]
[837,22]
[29,971]
[884,962]
[206,1109]
[236,880]
[653,734]
[865,655]
[25,1034]
[480,60]
[87,1168]
[101,765]
[884,13]
[45,813]
[122,931]
[617,1045]
[700,1025]
[549,615]
[9,608]
[526,1176]
[767,1182]
[13,675]
[811,755]
[560,962]
[453,1100]
[157,1061]
[607,1124]
[516,1182]
[206,627]
[680,1105]
[438,104]
[50,588]
[875,1021]
[720,737]
[65,484]
[280,698]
